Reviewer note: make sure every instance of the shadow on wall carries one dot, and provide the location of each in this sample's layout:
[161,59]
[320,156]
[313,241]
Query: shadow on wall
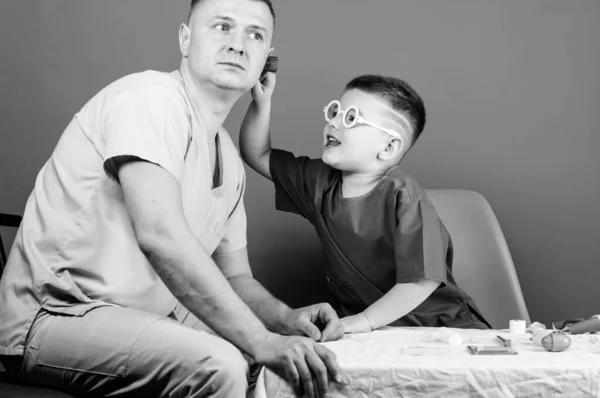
[297,277]
[285,253]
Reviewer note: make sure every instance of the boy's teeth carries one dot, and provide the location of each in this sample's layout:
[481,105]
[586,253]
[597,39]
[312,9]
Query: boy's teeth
[332,141]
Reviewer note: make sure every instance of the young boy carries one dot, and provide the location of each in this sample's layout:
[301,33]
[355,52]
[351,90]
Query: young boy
[389,255]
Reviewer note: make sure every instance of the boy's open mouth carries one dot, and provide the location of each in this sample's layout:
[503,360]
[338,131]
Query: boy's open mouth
[332,141]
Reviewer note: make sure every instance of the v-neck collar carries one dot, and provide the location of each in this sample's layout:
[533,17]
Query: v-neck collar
[217,173]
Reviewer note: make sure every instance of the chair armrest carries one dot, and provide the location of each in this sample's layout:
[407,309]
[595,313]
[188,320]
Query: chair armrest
[10,220]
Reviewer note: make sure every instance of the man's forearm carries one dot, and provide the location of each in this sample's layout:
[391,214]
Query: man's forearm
[399,301]
[271,311]
[196,281]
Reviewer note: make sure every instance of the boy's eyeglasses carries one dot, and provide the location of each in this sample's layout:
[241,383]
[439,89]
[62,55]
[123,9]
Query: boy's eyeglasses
[351,117]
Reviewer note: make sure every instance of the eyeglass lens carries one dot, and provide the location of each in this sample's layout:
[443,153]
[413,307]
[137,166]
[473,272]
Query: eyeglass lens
[350,117]
[333,111]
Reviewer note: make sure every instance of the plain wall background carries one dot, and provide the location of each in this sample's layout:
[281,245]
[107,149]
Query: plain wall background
[512,90]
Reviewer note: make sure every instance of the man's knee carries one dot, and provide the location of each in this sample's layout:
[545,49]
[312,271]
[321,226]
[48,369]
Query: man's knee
[223,373]
[197,364]
[231,368]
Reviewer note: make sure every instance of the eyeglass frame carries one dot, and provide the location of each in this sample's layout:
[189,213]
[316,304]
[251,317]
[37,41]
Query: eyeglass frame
[359,119]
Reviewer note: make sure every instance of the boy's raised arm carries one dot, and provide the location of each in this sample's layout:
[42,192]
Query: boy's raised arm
[255,139]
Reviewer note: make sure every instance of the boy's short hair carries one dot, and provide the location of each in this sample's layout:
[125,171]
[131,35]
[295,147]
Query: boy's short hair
[267,2]
[399,94]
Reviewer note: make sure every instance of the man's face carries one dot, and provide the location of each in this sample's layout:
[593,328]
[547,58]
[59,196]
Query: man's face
[228,42]
[356,149]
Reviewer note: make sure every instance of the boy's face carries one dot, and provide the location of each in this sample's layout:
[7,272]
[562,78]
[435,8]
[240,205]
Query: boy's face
[357,149]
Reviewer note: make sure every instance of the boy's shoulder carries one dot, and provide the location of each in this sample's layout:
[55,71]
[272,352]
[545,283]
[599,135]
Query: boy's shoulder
[312,165]
[405,187]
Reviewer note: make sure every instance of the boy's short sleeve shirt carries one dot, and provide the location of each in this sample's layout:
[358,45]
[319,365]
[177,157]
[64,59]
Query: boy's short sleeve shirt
[299,182]
[390,235]
[389,218]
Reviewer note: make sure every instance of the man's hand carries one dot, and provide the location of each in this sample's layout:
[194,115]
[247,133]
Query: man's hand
[318,321]
[356,324]
[263,89]
[305,364]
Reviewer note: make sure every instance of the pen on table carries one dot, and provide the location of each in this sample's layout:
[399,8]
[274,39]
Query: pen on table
[503,341]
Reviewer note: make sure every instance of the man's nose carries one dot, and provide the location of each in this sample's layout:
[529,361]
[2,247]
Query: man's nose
[236,49]
[236,44]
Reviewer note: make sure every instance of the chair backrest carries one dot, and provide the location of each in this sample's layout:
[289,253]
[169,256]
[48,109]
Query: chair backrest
[6,220]
[482,264]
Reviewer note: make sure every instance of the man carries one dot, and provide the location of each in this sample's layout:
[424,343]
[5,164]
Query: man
[129,275]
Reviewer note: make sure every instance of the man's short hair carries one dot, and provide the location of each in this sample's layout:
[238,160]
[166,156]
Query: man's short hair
[267,2]
[399,94]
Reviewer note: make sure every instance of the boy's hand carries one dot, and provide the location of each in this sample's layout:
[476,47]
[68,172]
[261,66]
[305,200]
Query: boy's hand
[318,321]
[356,324]
[263,89]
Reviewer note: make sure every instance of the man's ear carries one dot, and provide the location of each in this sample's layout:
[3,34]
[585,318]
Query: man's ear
[394,147]
[184,39]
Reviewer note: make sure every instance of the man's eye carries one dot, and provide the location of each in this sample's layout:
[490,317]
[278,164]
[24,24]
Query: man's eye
[351,118]
[257,36]
[223,27]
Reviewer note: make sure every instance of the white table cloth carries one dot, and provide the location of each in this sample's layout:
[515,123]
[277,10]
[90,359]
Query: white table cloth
[406,362]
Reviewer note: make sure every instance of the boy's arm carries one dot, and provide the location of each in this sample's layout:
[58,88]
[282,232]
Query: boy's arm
[397,302]
[255,139]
